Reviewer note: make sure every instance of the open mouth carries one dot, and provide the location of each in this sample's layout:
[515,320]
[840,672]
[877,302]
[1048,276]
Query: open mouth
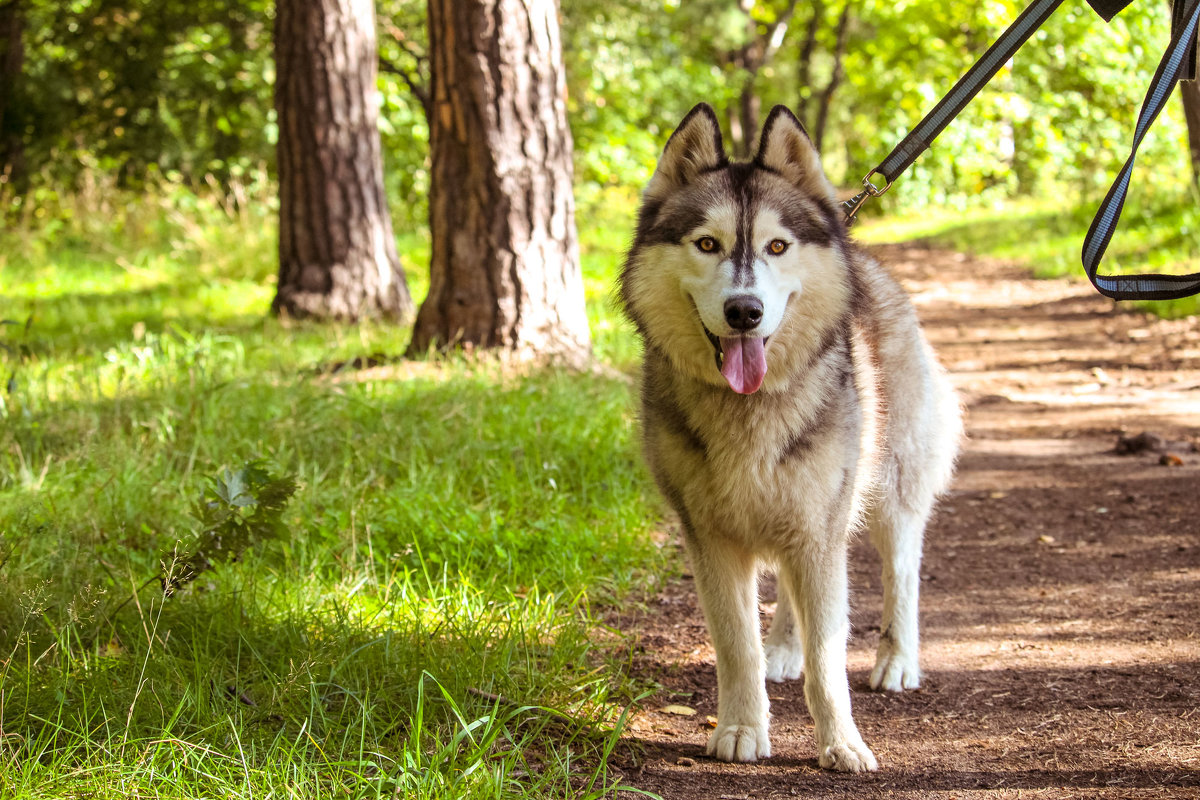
[742,360]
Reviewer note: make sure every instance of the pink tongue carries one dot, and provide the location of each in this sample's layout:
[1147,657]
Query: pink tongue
[744,363]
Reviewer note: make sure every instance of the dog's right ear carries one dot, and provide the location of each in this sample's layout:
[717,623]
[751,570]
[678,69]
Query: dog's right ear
[694,148]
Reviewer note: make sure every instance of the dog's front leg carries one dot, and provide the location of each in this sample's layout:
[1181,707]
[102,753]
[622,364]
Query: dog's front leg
[727,582]
[818,577]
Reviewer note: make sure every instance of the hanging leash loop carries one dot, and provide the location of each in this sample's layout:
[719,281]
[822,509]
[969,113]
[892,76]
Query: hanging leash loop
[1178,61]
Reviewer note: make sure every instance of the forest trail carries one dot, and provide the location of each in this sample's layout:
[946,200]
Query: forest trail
[1061,584]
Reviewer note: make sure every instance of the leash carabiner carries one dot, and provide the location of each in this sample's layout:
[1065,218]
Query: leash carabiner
[851,206]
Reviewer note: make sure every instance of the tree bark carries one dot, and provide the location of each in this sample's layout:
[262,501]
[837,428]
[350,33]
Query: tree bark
[505,267]
[337,253]
[12,65]
[1189,94]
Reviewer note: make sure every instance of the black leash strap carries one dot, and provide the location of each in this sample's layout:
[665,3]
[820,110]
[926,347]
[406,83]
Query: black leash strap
[1178,60]
[921,137]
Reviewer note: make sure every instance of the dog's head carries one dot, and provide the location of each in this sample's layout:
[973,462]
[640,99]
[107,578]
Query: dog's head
[731,258]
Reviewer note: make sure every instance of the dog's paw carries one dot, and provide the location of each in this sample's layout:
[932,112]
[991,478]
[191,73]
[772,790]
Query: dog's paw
[894,672]
[739,742]
[784,663]
[848,757]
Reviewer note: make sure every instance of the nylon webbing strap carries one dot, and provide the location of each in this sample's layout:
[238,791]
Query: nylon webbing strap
[1148,286]
[921,137]
[1178,21]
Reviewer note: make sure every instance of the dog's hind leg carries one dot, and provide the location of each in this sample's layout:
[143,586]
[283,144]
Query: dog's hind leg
[785,644]
[896,534]
[727,583]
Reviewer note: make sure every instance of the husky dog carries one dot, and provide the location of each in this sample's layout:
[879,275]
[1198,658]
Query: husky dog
[788,396]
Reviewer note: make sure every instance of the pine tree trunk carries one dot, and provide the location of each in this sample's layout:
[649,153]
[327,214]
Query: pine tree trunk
[337,254]
[12,65]
[1189,94]
[505,259]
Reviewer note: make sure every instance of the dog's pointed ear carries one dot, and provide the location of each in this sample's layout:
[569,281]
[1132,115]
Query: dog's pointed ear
[693,149]
[785,148]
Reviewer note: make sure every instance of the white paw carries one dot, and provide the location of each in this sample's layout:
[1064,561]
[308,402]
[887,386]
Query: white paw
[784,663]
[848,757]
[739,742]
[895,672]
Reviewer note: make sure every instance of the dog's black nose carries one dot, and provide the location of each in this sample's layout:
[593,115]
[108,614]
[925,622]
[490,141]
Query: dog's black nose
[743,312]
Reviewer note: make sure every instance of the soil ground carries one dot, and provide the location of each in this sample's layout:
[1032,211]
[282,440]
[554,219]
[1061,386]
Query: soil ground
[1061,586]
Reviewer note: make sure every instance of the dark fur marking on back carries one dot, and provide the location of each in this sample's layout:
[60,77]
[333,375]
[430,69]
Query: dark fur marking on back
[860,299]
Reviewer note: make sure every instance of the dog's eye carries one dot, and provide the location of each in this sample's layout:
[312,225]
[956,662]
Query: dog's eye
[777,247]
[706,244]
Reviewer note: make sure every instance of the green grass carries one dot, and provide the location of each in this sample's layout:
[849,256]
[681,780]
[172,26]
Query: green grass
[1154,236]
[426,627]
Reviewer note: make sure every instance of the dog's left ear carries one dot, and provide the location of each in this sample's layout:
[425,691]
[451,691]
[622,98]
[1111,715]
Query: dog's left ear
[785,148]
[693,149]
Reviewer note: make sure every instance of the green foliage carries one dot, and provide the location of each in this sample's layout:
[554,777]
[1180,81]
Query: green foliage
[137,88]
[634,70]
[141,90]
[1057,121]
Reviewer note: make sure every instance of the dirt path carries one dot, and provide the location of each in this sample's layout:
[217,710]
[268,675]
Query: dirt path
[1061,587]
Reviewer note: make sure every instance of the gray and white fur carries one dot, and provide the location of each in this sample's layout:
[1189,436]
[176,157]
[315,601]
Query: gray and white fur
[789,397]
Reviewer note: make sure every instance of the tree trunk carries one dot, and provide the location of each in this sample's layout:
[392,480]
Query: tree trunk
[12,64]
[505,259]
[1189,94]
[337,254]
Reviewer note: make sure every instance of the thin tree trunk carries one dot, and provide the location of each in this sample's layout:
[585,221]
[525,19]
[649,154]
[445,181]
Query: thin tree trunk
[505,259]
[1189,94]
[337,253]
[804,64]
[835,77]
[749,110]
[758,52]
[12,64]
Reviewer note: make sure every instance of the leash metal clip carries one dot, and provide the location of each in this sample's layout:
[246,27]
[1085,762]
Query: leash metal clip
[851,206]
